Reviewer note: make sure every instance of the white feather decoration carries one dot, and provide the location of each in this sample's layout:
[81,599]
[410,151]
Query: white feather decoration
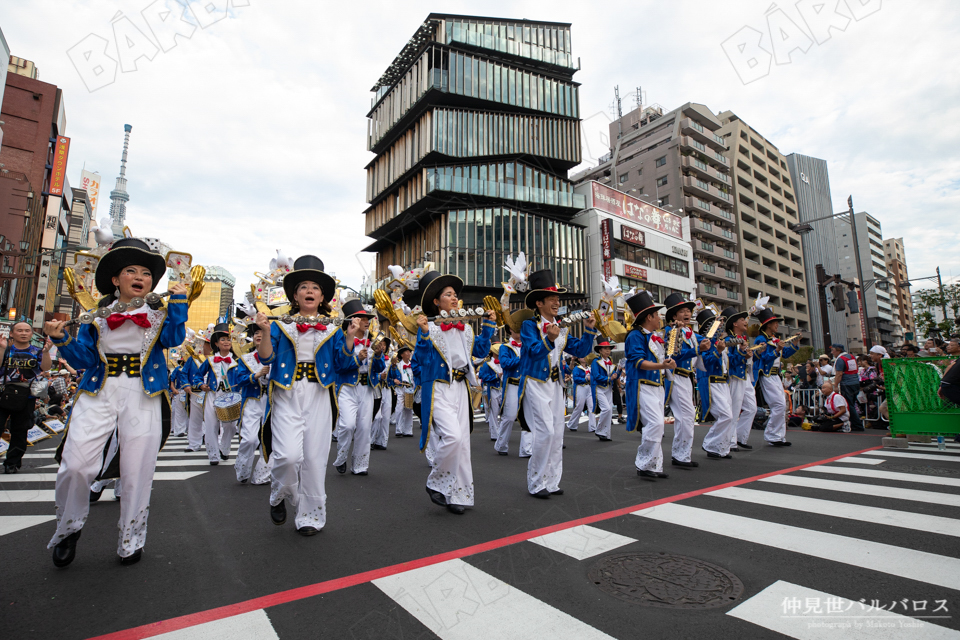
[760,304]
[611,288]
[103,234]
[396,271]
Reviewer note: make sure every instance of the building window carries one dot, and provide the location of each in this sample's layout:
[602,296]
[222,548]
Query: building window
[624,176]
[662,182]
[661,161]
[650,259]
[657,292]
[664,201]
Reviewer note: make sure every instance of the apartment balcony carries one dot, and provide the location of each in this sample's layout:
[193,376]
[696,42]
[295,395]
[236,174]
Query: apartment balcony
[699,207]
[711,231]
[721,296]
[697,167]
[717,252]
[716,271]
[703,189]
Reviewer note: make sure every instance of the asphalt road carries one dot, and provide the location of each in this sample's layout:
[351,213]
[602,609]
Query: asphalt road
[390,564]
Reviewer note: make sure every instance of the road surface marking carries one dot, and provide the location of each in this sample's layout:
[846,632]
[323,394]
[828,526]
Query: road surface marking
[582,542]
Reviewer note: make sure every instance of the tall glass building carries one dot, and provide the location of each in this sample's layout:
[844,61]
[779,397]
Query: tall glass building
[474,126]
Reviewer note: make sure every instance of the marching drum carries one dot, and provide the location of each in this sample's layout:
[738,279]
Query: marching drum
[408,399]
[228,406]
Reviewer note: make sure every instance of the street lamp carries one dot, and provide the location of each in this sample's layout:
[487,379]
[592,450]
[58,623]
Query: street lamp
[24,246]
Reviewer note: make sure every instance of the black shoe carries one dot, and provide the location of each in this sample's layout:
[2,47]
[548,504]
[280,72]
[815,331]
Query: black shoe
[95,495]
[398,435]
[133,558]
[189,450]
[341,468]
[408,435]
[308,531]
[378,447]
[456,508]
[66,550]
[334,438]
[781,443]
[543,494]
[10,469]
[711,454]
[502,453]
[643,473]
[735,449]
[278,513]
[661,474]
[681,463]
[564,447]
[224,456]
[604,438]
[558,492]
[744,445]
[359,473]
[214,463]
[244,481]
[437,497]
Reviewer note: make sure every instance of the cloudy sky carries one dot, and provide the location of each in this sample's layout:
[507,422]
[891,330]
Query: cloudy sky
[249,135]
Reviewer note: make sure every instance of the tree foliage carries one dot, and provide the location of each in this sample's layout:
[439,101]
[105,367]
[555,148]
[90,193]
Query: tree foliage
[931,301]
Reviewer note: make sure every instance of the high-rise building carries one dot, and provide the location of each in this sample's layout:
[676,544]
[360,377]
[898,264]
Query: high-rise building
[811,186]
[215,301]
[765,207]
[876,286]
[4,55]
[474,126]
[677,161]
[81,216]
[119,196]
[895,255]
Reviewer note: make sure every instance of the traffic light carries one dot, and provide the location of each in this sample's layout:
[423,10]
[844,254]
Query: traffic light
[852,301]
[837,292]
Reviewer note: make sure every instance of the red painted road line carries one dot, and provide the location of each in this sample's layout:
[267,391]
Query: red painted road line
[308,591]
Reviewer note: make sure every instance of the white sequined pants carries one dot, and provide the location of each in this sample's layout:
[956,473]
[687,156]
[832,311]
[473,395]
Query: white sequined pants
[301,424]
[381,422]
[217,435]
[195,425]
[650,451]
[582,401]
[354,425]
[605,403]
[491,407]
[543,410]
[681,403]
[250,423]
[508,416]
[179,414]
[121,405]
[452,473]
[776,430]
[718,437]
[743,412]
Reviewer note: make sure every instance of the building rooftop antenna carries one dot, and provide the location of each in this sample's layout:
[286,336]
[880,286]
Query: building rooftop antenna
[119,196]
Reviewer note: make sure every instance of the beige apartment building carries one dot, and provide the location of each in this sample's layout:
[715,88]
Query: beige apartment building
[895,257]
[765,206]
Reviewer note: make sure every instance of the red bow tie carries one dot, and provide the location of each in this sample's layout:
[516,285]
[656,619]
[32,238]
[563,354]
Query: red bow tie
[514,343]
[453,325]
[406,366]
[117,319]
[688,333]
[547,324]
[656,338]
[256,356]
[223,359]
[358,341]
[303,328]
[607,362]
[496,361]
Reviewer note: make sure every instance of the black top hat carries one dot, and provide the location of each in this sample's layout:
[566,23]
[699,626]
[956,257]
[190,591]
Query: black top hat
[251,329]
[603,343]
[431,284]
[355,309]
[126,252]
[222,329]
[542,284]
[309,269]
[732,315]
[766,315]
[642,305]
[705,318]
[675,302]
[403,348]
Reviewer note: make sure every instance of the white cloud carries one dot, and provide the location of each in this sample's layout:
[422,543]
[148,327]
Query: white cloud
[250,135]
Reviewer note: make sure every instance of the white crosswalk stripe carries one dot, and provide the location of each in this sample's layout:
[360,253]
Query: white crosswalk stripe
[879,491]
[885,475]
[582,542]
[939,457]
[254,625]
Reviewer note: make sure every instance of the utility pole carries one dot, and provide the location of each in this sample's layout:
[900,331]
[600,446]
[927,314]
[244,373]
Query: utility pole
[943,298]
[822,297]
[867,340]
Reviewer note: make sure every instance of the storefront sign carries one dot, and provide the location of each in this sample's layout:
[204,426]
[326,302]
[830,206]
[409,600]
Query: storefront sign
[607,269]
[680,251]
[606,234]
[634,272]
[633,236]
[629,208]
[59,172]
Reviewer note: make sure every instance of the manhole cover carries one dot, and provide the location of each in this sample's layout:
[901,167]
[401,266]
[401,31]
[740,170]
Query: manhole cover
[662,580]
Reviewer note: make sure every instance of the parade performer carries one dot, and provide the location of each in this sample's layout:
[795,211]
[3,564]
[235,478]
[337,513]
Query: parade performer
[299,420]
[582,396]
[194,398]
[541,387]
[603,376]
[680,381]
[22,363]
[178,390]
[491,374]
[251,378]
[443,353]
[767,375]
[404,388]
[122,390]
[645,393]
[215,377]
[383,399]
[712,382]
[743,396]
[510,407]
[356,372]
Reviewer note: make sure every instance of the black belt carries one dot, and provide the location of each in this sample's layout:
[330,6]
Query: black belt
[308,371]
[123,364]
[718,378]
[363,379]
[459,375]
[555,374]
[683,373]
[515,381]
